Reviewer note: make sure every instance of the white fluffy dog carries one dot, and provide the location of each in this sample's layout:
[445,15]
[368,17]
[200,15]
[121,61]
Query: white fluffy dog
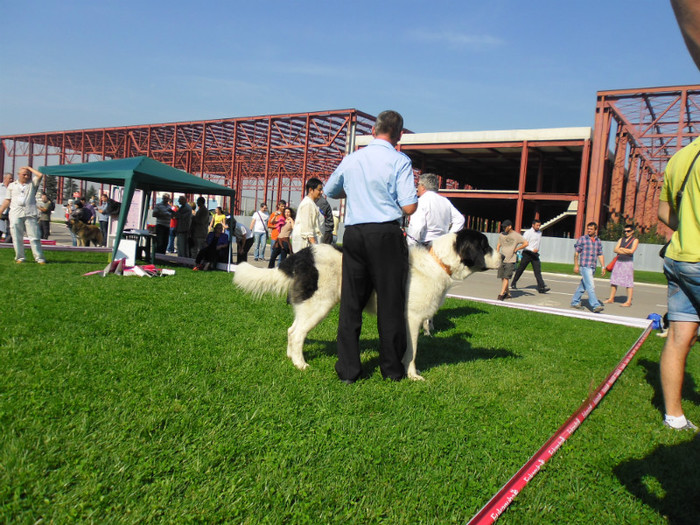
[312,280]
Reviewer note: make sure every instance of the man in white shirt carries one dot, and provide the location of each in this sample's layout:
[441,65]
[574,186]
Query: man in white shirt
[307,226]
[533,236]
[435,215]
[259,227]
[244,240]
[21,199]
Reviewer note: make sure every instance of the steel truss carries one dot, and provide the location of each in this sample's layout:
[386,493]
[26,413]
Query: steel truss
[271,156]
[636,133]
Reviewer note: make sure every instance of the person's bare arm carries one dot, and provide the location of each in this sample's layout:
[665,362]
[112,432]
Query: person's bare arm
[667,215]
[410,209]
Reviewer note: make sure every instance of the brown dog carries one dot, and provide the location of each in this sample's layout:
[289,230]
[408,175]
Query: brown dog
[86,233]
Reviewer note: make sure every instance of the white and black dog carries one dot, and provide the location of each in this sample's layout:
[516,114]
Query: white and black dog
[312,280]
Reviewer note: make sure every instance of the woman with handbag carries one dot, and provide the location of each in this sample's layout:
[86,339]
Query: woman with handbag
[623,270]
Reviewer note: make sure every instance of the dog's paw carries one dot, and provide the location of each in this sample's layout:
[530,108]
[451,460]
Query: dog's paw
[302,366]
[415,376]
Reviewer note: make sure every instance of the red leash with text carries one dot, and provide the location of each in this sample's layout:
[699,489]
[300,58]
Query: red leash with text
[499,503]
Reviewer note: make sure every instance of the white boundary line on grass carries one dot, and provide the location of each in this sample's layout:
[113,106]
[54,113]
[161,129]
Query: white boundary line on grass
[578,314]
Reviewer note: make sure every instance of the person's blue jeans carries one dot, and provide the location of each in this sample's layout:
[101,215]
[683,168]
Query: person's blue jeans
[260,243]
[683,290]
[586,285]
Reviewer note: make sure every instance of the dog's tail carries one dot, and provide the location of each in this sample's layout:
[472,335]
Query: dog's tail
[260,281]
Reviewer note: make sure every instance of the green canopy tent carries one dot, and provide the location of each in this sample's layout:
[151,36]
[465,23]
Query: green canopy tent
[137,173]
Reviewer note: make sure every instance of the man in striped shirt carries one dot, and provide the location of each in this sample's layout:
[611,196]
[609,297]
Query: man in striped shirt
[588,249]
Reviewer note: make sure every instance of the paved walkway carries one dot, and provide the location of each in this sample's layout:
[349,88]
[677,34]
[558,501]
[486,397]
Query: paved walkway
[648,298]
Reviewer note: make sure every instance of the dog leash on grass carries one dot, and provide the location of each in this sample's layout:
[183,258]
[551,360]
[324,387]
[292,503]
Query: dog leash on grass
[502,499]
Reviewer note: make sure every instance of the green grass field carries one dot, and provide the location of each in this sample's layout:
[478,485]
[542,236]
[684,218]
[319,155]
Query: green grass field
[126,399]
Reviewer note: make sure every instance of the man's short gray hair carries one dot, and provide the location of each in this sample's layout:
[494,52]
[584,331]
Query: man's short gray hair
[389,122]
[429,181]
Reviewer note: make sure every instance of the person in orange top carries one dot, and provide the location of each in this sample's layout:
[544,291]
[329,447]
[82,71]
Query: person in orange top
[273,225]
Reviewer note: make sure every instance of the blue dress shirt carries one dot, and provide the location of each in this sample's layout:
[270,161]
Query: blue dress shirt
[377,180]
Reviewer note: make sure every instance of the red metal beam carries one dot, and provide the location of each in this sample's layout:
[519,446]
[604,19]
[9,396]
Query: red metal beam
[522,176]
[283,148]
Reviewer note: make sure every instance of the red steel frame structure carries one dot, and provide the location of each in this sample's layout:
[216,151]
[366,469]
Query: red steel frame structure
[522,158]
[636,132]
[271,156]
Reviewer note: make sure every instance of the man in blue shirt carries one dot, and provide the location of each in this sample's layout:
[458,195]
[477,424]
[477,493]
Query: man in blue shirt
[378,183]
[588,248]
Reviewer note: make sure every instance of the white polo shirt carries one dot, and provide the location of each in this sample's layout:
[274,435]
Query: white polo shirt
[23,198]
[533,239]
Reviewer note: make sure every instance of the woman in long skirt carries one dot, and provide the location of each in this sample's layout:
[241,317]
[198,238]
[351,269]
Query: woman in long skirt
[623,271]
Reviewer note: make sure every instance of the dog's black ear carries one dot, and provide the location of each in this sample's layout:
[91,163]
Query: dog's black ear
[469,245]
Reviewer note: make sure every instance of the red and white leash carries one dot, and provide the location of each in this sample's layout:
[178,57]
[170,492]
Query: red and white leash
[499,503]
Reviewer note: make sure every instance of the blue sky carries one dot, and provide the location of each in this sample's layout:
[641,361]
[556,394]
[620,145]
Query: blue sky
[445,65]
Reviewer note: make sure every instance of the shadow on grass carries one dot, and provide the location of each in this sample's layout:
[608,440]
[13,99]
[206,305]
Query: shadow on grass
[652,377]
[453,350]
[443,318]
[666,480]
[86,264]
[432,351]
[456,348]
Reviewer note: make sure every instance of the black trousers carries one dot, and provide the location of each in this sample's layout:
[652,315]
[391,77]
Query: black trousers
[162,236]
[375,257]
[280,249]
[211,254]
[45,227]
[534,259]
[242,249]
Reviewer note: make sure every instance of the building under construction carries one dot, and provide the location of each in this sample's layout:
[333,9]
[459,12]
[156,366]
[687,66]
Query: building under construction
[564,176]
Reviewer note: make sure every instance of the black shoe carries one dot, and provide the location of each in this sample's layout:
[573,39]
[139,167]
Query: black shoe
[501,297]
[513,287]
[544,290]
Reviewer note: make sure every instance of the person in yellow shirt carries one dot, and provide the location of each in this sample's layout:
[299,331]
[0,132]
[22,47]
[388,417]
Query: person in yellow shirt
[219,217]
[679,209]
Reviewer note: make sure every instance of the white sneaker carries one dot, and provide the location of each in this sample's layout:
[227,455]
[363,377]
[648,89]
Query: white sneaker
[688,426]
